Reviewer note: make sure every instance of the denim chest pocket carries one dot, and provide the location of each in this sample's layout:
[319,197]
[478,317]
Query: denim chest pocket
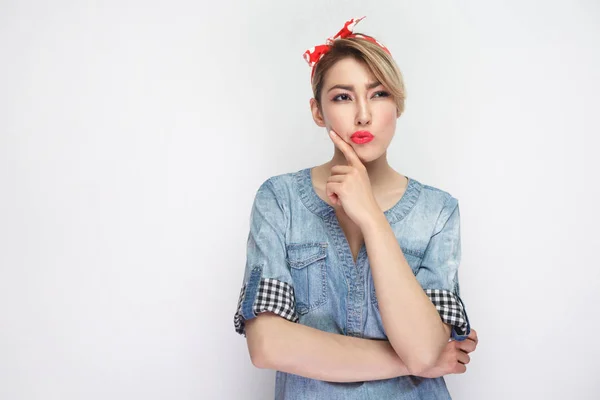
[413,260]
[308,267]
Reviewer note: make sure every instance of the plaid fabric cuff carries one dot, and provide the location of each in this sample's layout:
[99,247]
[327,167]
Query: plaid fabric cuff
[274,296]
[450,308]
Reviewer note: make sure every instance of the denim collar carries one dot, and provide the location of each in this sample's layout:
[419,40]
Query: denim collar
[318,206]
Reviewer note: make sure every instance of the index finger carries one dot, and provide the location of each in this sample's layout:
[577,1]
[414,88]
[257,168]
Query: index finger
[346,149]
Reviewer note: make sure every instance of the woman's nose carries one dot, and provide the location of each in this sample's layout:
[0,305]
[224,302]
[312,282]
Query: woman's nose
[363,114]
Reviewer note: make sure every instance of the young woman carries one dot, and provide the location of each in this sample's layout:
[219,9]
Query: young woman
[351,289]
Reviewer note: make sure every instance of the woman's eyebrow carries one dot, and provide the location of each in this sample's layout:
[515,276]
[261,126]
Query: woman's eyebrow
[351,88]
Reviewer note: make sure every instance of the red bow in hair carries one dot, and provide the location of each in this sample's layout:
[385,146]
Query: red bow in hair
[314,54]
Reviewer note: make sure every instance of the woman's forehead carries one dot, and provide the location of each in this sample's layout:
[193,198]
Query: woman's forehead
[349,71]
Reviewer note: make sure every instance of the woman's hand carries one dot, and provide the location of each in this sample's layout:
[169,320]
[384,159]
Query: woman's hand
[454,358]
[349,185]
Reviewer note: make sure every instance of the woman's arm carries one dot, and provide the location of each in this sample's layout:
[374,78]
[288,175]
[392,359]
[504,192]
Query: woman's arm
[278,344]
[411,321]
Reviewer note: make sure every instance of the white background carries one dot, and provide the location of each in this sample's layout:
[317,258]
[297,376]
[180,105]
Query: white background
[134,135]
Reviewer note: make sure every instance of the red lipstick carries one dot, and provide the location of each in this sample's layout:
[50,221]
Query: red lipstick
[361,137]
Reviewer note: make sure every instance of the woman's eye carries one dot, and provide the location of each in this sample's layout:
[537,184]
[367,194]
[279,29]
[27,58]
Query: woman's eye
[382,94]
[337,98]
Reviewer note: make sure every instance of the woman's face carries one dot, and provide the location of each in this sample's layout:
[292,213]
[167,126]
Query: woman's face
[352,100]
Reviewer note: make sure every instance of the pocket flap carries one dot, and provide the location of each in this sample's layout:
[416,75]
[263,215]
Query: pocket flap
[299,255]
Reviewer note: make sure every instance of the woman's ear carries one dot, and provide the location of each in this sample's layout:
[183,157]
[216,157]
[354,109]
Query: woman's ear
[316,113]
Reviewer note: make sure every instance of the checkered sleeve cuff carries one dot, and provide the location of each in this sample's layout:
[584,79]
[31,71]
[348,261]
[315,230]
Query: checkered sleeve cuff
[274,296]
[451,309]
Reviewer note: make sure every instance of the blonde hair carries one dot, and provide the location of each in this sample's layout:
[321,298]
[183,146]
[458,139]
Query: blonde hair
[380,63]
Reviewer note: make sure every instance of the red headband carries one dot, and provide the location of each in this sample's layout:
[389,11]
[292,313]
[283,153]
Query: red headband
[314,54]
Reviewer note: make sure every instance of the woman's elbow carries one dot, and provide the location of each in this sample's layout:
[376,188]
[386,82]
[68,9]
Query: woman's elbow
[419,367]
[259,360]
[260,346]
[426,360]
[255,342]
[418,363]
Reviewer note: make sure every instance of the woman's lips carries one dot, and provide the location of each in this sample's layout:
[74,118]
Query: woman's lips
[361,137]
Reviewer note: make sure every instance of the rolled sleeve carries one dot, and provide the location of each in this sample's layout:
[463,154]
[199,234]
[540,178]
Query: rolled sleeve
[267,284]
[438,272]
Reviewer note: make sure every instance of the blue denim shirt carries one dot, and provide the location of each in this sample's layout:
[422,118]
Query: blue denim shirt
[299,266]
